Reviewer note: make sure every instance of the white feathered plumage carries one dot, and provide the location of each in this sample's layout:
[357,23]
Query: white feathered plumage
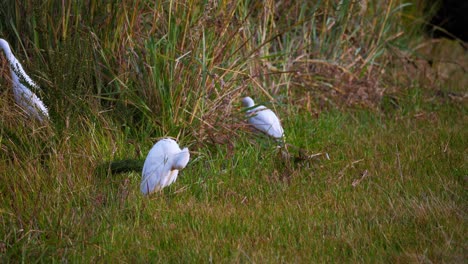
[162,165]
[23,95]
[263,119]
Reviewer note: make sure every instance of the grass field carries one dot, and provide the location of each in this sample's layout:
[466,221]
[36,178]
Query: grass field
[377,170]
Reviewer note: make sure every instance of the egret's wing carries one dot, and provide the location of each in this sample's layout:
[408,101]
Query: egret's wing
[170,178]
[157,173]
[276,130]
[151,178]
[267,122]
[153,172]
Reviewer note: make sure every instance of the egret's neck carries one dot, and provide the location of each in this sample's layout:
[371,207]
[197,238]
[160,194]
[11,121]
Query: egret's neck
[17,72]
[7,51]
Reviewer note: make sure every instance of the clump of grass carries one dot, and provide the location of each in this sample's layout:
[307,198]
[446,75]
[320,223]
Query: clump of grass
[157,70]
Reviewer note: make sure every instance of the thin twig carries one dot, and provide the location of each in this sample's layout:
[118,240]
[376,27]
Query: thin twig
[357,181]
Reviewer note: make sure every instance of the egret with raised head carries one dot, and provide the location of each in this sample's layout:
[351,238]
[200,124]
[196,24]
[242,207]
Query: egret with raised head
[162,165]
[21,81]
[263,119]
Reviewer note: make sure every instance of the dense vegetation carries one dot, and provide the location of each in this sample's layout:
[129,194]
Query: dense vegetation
[375,114]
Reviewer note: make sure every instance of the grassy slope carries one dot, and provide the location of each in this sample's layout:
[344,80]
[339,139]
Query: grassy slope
[410,205]
[393,188]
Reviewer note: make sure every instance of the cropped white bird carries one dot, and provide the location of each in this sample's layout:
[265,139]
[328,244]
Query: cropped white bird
[162,165]
[263,119]
[23,96]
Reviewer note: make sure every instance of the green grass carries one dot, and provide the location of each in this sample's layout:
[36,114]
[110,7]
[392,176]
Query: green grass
[350,84]
[249,207]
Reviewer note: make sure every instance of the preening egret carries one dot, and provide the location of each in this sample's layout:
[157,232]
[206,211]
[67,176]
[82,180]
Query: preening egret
[162,165]
[23,96]
[263,119]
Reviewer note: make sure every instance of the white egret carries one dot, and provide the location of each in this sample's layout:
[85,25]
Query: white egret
[162,165]
[263,119]
[23,95]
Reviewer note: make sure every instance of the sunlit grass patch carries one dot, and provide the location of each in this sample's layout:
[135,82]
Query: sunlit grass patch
[390,189]
[374,169]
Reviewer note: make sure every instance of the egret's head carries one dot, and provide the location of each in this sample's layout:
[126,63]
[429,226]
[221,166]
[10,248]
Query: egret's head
[247,102]
[181,159]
